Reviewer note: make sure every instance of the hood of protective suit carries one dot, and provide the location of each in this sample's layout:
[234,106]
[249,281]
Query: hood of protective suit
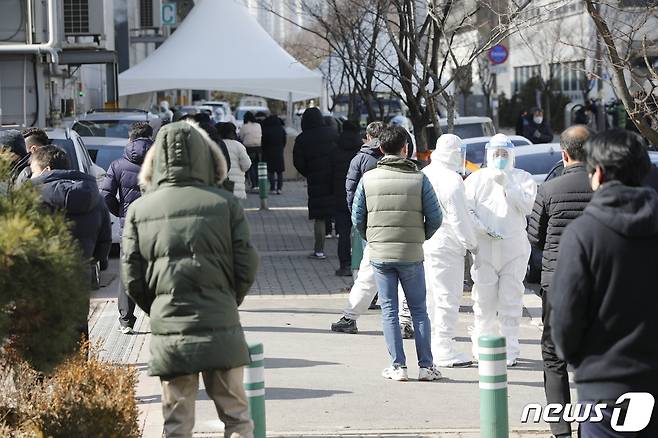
[183,154]
[630,211]
[500,141]
[449,152]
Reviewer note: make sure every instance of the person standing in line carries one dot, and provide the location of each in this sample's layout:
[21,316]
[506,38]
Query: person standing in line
[445,251]
[274,142]
[559,202]
[240,161]
[121,180]
[312,155]
[396,210]
[192,298]
[13,143]
[499,199]
[538,130]
[364,289]
[251,135]
[35,138]
[603,295]
[76,194]
[349,143]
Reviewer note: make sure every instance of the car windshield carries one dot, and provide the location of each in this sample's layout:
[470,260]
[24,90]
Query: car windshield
[475,152]
[104,155]
[69,148]
[103,128]
[537,164]
[519,142]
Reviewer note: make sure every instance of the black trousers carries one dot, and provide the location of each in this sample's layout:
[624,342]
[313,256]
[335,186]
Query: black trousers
[126,307]
[252,173]
[556,377]
[276,180]
[343,229]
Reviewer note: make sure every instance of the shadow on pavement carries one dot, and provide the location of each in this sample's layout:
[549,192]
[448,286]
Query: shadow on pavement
[521,341]
[308,311]
[263,329]
[282,362]
[300,393]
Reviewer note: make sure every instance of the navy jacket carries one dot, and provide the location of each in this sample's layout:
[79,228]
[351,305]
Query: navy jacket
[364,161]
[122,177]
[604,296]
[76,193]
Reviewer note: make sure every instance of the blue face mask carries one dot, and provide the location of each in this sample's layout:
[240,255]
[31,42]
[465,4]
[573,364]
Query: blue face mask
[499,163]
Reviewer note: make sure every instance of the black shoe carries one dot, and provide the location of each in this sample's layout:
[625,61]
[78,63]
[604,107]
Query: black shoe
[344,272]
[373,304]
[407,331]
[344,325]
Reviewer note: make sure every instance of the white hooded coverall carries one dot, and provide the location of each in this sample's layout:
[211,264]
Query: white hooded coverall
[498,202]
[445,251]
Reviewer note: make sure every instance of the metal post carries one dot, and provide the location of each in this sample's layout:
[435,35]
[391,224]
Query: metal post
[492,367]
[254,386]
[357,250]
[263,184]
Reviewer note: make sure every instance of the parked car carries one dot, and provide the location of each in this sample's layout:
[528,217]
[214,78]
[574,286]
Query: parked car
[221,109]
[253,101]
[113,123]
[80,160]
[538,159]
[465,128]
[102,151]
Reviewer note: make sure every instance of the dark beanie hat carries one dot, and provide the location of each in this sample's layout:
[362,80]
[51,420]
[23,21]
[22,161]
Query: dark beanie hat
[13,140]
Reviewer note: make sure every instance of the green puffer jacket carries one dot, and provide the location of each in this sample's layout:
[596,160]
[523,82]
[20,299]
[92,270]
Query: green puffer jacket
[187,260]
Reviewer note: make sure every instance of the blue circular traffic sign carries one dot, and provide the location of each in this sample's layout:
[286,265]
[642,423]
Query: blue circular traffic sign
[498,54]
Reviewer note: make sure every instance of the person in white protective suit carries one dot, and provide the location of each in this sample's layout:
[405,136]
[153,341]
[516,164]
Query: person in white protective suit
[445,251]
[499,198]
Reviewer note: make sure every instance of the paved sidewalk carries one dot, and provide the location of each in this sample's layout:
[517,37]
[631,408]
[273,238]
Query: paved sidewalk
[321,383]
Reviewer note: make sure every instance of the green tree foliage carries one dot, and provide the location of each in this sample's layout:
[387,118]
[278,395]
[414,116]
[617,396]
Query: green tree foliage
[44,298]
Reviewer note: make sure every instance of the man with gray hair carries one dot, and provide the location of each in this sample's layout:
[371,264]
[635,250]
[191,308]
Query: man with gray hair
[558,202]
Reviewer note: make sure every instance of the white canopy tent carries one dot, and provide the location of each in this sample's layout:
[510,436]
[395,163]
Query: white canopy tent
[220,46]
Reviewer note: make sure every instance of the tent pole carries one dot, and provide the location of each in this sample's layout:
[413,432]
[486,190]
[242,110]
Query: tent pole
[289,111]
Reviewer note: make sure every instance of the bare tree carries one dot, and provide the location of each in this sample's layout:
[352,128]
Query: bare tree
[623,33]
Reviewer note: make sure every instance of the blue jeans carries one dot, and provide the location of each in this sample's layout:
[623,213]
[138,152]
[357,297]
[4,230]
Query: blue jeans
[412,278]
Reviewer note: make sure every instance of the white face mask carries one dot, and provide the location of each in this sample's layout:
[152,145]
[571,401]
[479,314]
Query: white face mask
[538,119]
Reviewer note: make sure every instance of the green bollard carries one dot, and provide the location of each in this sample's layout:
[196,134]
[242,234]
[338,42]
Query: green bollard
[254,385]
[492,367]
[357,249]
[263,184]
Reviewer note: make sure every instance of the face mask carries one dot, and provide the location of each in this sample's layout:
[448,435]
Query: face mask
[538,120]
[499,163]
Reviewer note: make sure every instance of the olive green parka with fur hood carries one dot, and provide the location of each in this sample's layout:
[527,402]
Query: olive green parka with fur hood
[187,258]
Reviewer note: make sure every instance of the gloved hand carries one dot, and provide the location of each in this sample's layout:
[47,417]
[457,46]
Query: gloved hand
[500,178]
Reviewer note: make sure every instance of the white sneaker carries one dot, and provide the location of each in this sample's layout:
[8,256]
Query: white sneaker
[127,330]
[451,358]
[429,374]
[511,362]
[396,373]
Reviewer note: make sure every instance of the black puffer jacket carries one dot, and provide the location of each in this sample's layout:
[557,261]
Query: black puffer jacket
[312,154]
[364,161]
[604,297]
[349,144]
[273,141]
[77,195]
[558,202]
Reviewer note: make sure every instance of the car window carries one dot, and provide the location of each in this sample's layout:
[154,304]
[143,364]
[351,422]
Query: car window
[103,128]
[519,142]
[104,155]
[69,148]
[475,152]
[471,130]
[537,164]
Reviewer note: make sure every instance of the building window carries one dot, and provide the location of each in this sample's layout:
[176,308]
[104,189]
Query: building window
[145,13]
[523,74]
[569,76]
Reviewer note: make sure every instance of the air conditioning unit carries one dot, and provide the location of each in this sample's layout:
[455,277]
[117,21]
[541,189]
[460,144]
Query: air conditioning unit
[82,17]
[150,13]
